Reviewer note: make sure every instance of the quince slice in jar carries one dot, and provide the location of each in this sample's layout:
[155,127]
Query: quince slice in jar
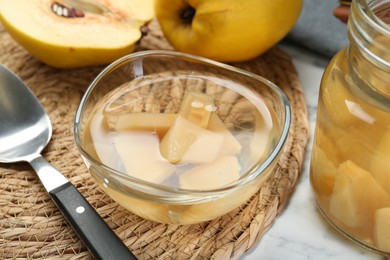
[325,173]
[212,175]
[380,162]
[345,144]
[356,196]
[381,230]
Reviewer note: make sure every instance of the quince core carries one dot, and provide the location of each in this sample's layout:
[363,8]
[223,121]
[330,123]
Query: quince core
[76,33]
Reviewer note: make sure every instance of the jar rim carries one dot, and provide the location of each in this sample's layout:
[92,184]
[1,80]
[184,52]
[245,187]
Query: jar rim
[369,9]
[369,32]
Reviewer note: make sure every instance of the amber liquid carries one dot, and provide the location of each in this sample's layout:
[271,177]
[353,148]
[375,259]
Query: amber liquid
[350,166]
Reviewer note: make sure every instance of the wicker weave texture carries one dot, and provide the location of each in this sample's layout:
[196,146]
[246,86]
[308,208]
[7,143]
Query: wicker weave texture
[31,227]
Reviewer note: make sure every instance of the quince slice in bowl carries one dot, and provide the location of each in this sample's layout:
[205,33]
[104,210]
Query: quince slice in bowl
[76,33]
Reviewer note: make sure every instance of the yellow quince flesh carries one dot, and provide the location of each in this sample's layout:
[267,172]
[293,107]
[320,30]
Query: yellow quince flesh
[198,135]
[141,158]
[197,108]
[158,123]
[381,230]
[71,34]
[356,196]
[322,174]
[219,173]
[230,146]
[380,162]
[186,142]
[229,30]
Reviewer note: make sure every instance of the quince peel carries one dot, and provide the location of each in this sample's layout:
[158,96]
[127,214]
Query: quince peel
[228,30]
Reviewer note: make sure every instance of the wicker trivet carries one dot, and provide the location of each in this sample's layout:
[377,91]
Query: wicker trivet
[32,227]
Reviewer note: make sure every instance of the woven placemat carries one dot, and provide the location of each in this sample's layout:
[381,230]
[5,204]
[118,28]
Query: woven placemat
[31,226]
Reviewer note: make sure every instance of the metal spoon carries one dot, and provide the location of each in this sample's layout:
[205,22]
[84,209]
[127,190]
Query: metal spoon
[25,129]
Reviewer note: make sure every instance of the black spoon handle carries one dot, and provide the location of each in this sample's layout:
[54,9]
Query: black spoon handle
[97,236]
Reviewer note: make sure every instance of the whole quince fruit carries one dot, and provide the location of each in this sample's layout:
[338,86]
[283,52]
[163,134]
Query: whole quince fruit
[226,30]
[76,33]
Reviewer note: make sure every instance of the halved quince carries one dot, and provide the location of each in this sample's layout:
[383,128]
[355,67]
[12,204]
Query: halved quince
[76,33]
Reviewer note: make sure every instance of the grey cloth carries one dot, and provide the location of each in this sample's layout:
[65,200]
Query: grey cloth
[317,28]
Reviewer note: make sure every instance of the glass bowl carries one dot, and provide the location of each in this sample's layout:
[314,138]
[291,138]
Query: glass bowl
[180,139]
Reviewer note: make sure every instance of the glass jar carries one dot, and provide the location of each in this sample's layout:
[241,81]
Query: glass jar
[350,164]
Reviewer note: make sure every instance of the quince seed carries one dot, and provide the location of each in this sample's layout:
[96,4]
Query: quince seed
[64,11]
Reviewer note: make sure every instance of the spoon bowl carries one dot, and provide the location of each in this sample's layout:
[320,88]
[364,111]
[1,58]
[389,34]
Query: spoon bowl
[25,127]
[25,130]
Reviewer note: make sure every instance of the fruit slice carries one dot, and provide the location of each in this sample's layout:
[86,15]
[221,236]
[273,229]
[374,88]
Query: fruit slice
[69,33]
[197,108]
[230,144]
[324,162]
[211,176]
[151,122]
[323,173]
[381,231]
[99,145]
[380,162]
[186,142]
[106,154]
[139,153]
[356,196]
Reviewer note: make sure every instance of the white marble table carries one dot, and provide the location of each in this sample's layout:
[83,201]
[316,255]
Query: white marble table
[300,232]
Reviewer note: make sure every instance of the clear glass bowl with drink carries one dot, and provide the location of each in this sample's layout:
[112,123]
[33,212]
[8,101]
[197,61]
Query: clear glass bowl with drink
[180,139]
